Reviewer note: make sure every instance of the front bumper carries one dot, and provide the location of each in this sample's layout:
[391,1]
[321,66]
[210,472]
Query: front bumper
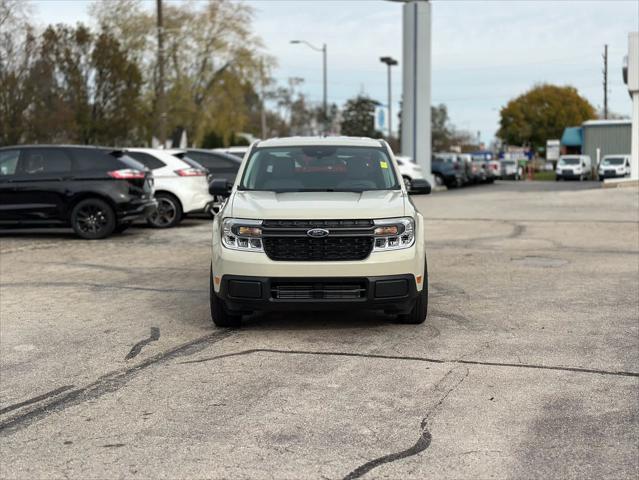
[611,174]
[390,293]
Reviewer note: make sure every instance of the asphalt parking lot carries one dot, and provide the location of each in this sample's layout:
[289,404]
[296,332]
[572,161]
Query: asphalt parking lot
[527,367]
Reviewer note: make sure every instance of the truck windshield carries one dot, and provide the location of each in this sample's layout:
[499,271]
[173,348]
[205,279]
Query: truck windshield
[568,161]
[612,161]
[319,169]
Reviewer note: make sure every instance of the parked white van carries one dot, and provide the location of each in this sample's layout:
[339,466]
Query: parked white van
[574,167]
[613,166]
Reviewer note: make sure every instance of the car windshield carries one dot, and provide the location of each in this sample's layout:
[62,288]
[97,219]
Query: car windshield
[569,161]
[508,163]
[319,169]
[613,161]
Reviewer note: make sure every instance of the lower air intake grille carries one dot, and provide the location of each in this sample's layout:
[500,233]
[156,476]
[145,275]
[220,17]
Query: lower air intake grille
[317,291]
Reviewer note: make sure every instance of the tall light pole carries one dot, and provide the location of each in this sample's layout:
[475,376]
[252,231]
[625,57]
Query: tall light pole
[390,62]
[323,50]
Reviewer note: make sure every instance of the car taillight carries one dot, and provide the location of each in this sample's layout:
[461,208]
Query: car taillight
[191,172]
[127,174]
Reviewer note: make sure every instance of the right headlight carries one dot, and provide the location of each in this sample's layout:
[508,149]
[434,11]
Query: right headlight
[242,234]
[394,234]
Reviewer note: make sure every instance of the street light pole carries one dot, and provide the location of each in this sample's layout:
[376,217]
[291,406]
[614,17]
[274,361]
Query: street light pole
[323,49]
[390,62]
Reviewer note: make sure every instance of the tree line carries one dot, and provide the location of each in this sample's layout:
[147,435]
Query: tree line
[99,85]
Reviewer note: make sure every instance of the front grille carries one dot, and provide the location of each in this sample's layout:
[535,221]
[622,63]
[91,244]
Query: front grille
[317,249]
[317,291]
[287,240]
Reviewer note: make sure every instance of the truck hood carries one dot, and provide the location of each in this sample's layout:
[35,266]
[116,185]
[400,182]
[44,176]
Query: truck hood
[317,205]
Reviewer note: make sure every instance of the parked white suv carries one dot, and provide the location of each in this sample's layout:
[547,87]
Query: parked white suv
[318,223]
[409,171]
[181,185]
[613,166]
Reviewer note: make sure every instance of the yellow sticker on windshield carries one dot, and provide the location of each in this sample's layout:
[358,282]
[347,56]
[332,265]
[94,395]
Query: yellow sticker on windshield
[383,164]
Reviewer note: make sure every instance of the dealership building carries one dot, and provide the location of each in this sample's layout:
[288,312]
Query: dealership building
[608,137]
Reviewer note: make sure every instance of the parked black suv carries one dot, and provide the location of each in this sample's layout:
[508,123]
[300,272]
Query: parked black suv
[447,171]
[94,190]
[219,165]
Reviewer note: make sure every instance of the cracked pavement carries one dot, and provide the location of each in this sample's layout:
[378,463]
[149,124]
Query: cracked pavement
[527,367]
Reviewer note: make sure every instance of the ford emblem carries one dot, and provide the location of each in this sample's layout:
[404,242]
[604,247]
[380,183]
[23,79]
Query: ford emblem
[317,232]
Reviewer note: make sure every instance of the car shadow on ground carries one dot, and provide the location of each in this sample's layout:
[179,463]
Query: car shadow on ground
[314,320]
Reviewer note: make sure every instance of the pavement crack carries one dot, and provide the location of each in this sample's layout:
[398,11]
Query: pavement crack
[107,383]
[137,348]
[450,384]
[418,359]
[423,442]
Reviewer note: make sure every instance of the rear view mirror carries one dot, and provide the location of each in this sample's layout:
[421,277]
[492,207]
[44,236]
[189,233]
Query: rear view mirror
[220,187]
[419,185]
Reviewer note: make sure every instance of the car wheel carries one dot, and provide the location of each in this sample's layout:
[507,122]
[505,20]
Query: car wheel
[420,310]
[219,315]
[121,227]
[93,219]
[169,211]
[439,181]
[408,184]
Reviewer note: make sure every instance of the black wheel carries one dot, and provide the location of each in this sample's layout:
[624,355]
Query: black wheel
[408,184]
[169,211]
[121,227]
[420,310]
[93,219]
[219,315]
[439,181]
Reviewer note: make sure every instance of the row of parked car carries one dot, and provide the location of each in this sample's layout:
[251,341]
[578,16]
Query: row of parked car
[99,191]
[454,170]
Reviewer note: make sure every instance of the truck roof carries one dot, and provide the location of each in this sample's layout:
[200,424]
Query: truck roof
[332,141]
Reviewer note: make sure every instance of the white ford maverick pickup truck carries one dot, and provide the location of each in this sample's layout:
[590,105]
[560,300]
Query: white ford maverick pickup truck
[318,224]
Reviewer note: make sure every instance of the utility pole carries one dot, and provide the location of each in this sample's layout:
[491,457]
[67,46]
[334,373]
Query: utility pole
[605,82]
[161,98]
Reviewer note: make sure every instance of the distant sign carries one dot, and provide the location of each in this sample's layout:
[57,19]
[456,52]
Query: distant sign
[552,150]
[381,118]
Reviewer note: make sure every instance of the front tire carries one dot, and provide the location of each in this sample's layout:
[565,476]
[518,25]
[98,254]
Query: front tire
[219,315]
[420,310]
[169,212]
[93,219]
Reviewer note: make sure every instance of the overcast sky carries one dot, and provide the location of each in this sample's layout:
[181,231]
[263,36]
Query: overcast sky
[484,53]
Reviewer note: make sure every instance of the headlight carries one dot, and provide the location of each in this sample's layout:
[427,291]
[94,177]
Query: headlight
[240,234]
[394,234]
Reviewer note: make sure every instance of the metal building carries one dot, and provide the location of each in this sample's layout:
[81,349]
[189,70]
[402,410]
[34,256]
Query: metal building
[610,136]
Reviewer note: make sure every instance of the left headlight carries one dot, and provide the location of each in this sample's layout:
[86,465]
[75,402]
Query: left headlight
[241,234]
[394,234]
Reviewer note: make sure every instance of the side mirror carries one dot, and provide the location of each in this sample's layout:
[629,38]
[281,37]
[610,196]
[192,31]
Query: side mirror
[419,185]
[583,164]
[220,187]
